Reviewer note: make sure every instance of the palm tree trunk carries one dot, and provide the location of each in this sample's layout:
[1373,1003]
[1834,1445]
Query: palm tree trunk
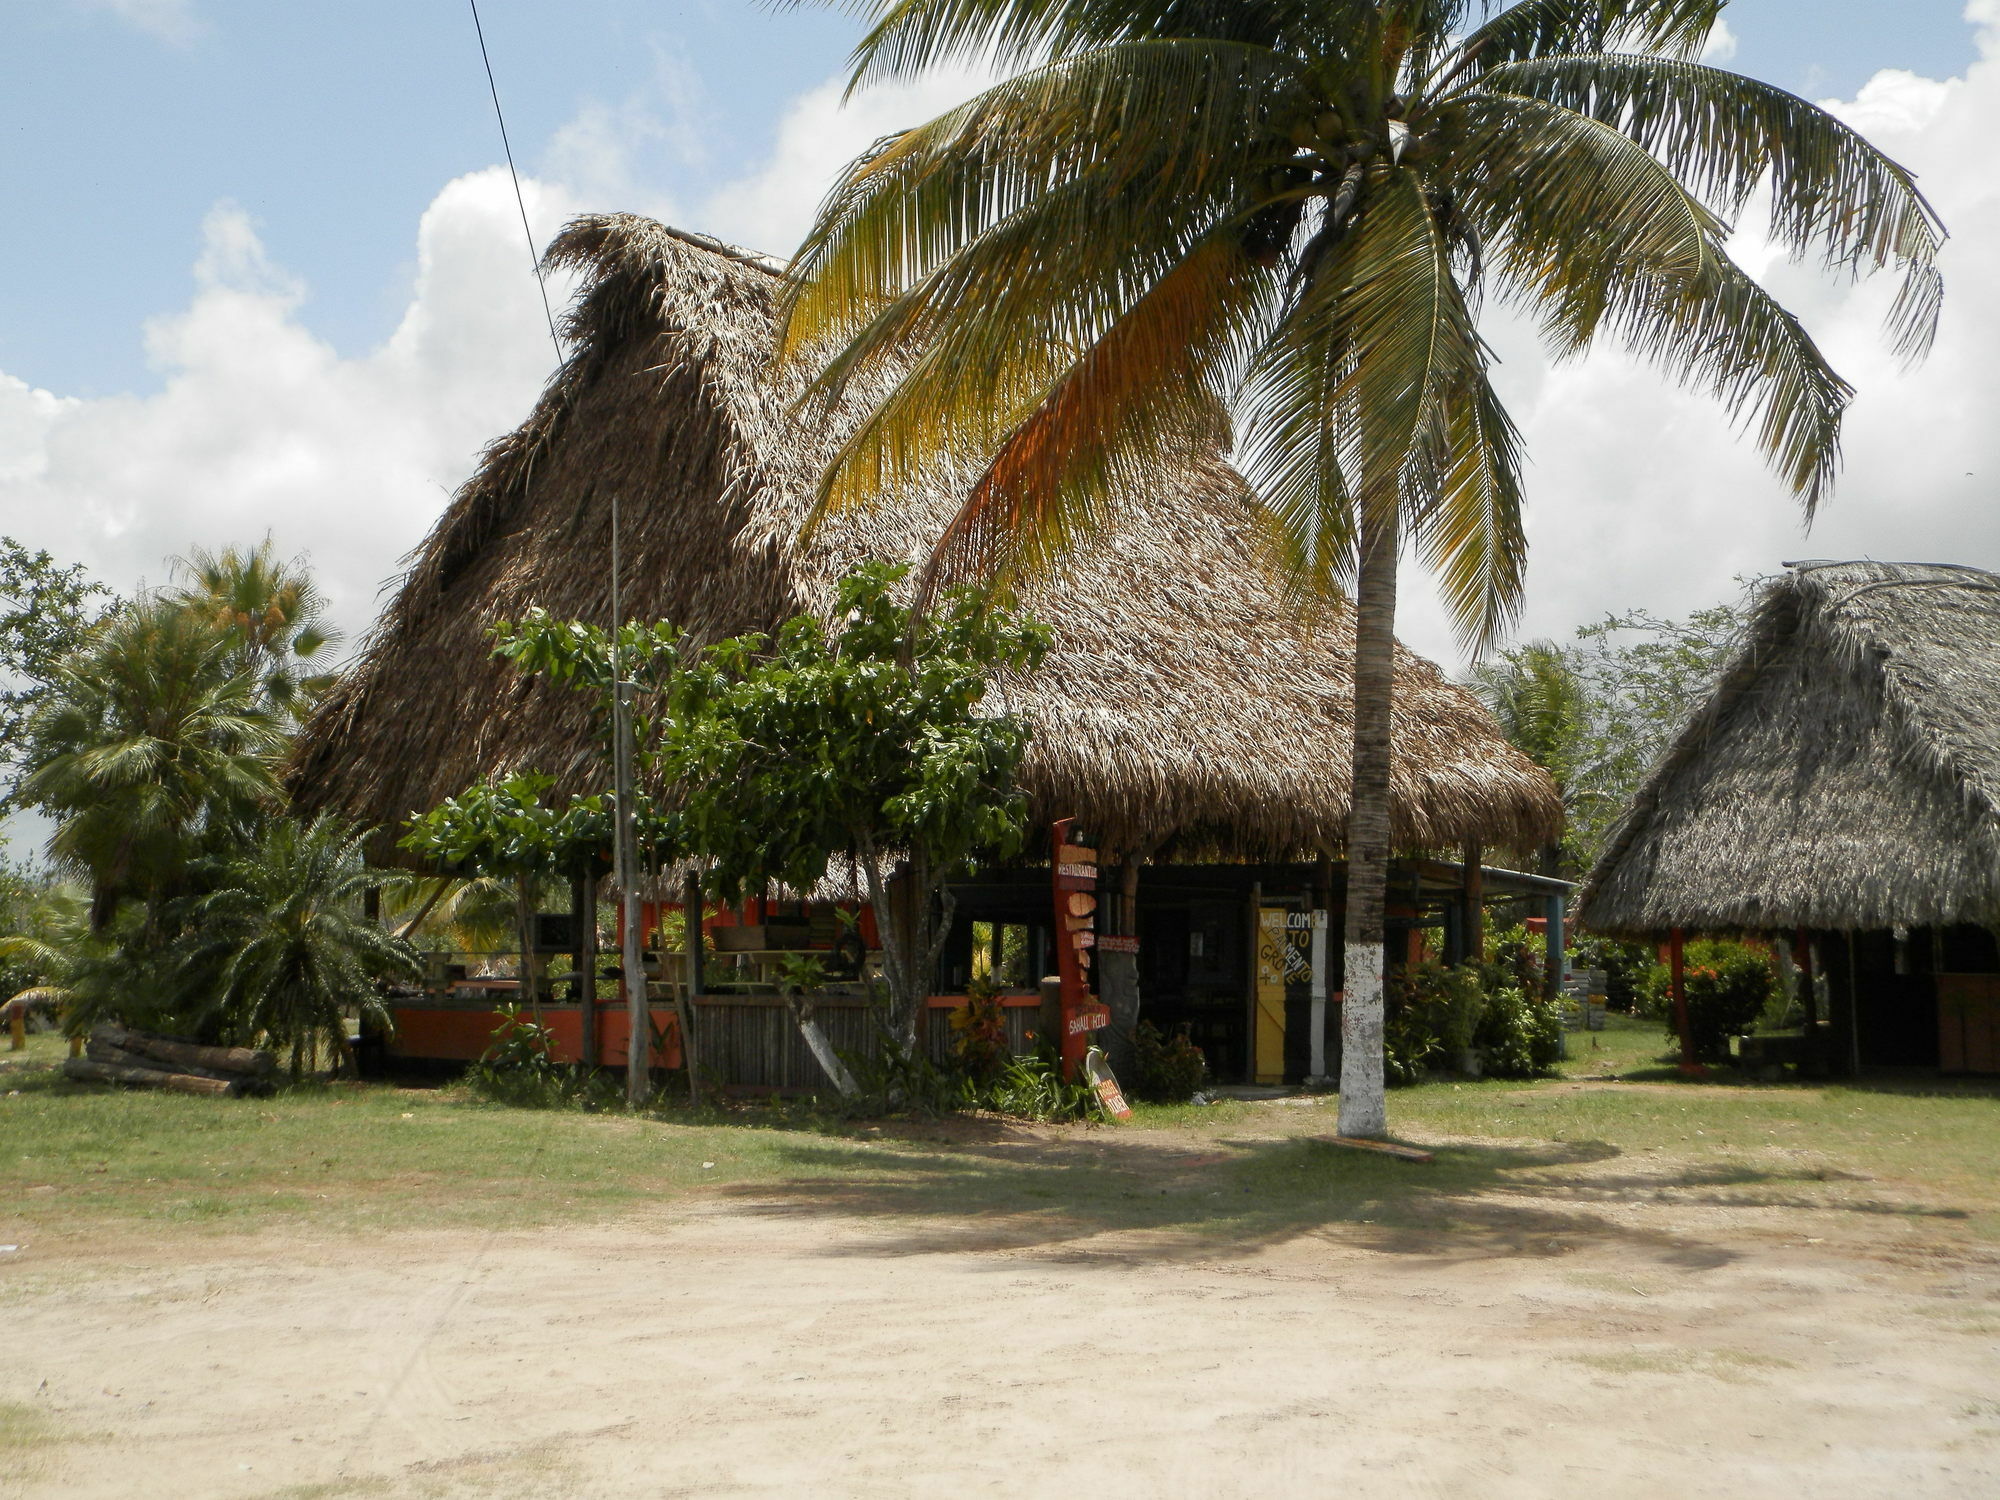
[1363,1110]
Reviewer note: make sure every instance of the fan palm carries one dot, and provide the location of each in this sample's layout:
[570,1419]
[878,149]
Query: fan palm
[1186,223]
[273,611]
[150,738]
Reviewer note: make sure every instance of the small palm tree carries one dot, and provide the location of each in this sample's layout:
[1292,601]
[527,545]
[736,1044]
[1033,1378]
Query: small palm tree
[281,949]
[1192,223]
[1544,710]
[273,611]
[150,739]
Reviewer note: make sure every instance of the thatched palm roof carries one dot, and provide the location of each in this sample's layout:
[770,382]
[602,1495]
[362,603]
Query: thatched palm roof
[1843,776]
[1181,700]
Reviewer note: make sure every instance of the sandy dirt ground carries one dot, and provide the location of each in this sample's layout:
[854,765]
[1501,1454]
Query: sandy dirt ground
[753,1346]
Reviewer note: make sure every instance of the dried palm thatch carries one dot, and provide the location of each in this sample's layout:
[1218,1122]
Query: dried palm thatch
[1182,701]
[1842,777]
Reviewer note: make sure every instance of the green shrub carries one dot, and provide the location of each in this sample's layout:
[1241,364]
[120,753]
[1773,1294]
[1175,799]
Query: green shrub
[1516,958]
[1728,986]
[1033,1088]
[1165,1069]
[518,1066]
[1521,1035]
[1431,1016]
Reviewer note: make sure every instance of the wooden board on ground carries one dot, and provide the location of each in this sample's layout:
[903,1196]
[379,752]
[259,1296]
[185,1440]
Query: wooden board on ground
[1380,1148]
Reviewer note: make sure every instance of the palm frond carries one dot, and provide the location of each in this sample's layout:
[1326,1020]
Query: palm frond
[1150,392]
[1540,28]
[1571,213]
[1724,134]
[1150,124]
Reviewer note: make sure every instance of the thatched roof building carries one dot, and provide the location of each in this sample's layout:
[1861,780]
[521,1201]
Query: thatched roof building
[1182,701]
[1845,776]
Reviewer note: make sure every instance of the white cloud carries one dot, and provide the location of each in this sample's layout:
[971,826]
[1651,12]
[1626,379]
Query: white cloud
[1720,46]
[260,426]
[771,209]
[1641,494]
[169,20]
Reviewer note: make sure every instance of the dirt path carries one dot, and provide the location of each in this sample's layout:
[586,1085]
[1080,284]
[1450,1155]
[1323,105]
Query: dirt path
[753,1349]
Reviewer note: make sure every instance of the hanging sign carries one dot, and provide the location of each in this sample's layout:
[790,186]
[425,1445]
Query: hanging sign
[1090,1018]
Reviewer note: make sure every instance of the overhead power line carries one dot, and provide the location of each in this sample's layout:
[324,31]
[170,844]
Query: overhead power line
[534,254]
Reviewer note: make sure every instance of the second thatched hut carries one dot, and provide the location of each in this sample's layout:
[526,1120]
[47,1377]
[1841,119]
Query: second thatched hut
[1840,793]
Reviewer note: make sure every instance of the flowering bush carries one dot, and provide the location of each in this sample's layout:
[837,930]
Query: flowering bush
[1728,985]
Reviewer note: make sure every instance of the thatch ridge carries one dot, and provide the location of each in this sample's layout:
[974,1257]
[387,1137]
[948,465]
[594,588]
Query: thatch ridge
[1183,701]
[1843,774]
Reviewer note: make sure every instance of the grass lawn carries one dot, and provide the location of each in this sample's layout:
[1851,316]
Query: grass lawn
[1514,1159]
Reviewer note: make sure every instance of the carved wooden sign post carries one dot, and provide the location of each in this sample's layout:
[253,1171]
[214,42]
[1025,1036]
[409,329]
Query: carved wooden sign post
[1075,911]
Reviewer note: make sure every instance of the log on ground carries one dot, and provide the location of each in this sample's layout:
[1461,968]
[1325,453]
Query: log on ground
[234,1061]
[88,1070]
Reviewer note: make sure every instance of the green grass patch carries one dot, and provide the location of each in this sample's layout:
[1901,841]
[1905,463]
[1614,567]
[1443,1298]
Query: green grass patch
[1521,1168]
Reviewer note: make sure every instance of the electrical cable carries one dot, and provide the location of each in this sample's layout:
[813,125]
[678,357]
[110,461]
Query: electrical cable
[534,255]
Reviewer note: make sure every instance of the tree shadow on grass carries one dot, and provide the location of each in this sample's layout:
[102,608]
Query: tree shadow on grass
[1126,1199]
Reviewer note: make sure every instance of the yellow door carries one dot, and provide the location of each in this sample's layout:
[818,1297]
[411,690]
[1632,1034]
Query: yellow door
[1270,1039]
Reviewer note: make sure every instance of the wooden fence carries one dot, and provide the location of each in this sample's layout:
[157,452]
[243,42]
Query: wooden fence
[751,1041]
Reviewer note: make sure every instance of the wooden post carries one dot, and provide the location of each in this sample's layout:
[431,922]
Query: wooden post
[17,1028]
[1474,895]
[691,915]
[1677,987]
[583,916]
[1552,950]
[1802,960]
[1118,969]
[1253,936]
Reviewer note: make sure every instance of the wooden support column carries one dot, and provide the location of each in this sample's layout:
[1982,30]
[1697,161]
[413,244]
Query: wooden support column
[1253,935]
[1474,894]
[684,1006]
[1118,970]
[1802,960]
[1553,948]
[583,919]
[1677,988]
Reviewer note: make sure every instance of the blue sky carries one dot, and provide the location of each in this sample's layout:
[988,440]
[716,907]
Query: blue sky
[265,274]
[333,126]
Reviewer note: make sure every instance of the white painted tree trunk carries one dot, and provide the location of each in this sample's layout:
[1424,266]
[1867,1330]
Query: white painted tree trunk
[1363,1106]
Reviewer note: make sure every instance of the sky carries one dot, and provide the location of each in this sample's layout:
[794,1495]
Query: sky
[266,273]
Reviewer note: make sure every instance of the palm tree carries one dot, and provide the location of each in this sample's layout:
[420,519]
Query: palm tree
[1544,710]
[274,613]
[151,739]
[281,949]
[1191,222]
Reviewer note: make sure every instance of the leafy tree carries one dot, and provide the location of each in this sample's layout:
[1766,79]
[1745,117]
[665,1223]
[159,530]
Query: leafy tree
[274,614]
[281,948]
[1599,712]
[872,741]
[46,614]
[149,741]
[1182,219]
[1647,676]
[504,828]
